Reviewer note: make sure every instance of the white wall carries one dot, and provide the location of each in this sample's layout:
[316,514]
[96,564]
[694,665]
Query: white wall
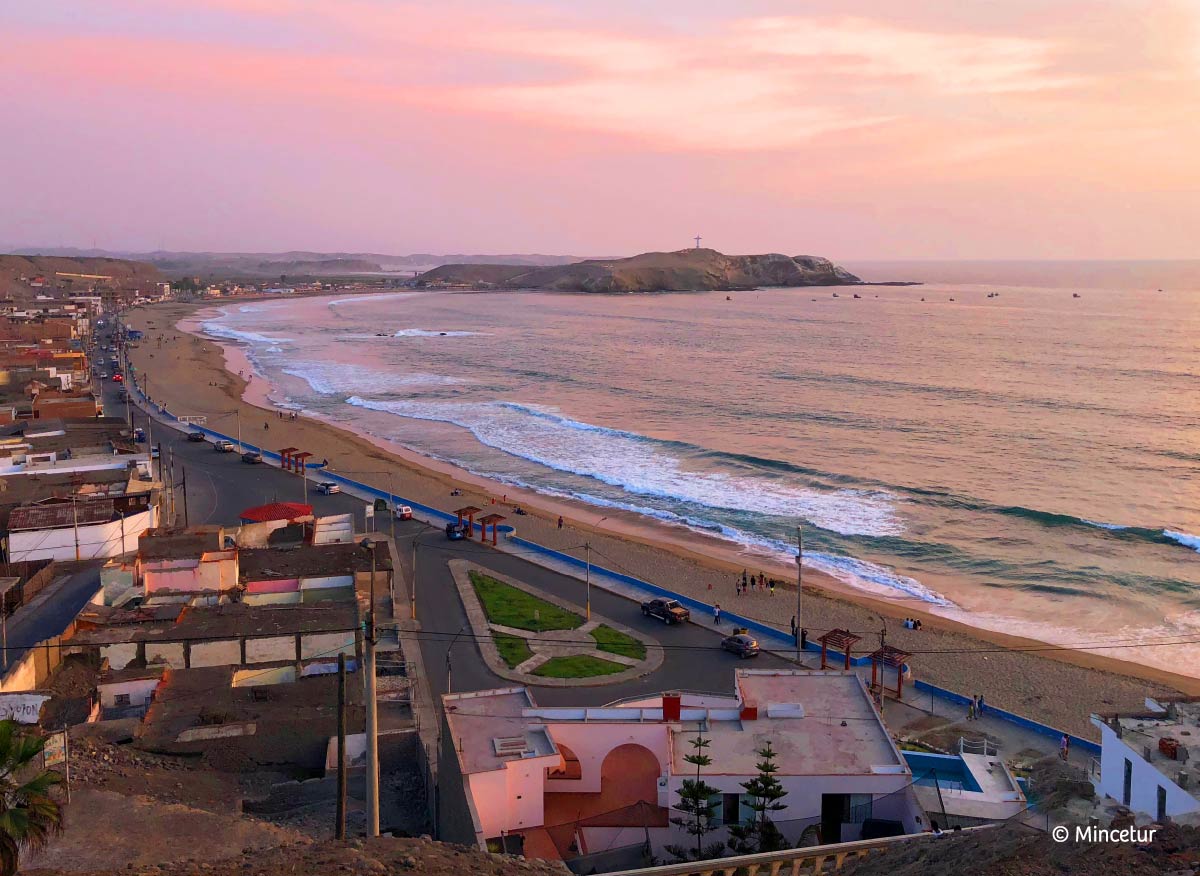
[326,645]
[1146,777]
[272,649]
[119,656]
[226,652]
[592,742]
[139,690]
[170,653]
[95,541]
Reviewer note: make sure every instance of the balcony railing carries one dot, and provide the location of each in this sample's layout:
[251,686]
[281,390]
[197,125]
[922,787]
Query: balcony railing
[790,862]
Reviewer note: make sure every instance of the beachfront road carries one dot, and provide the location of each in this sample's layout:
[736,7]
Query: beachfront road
[220,486]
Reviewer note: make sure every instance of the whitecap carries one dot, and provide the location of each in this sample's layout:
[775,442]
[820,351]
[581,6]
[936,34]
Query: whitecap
[648,467]
[426,333]
[335,378]
[1184,538]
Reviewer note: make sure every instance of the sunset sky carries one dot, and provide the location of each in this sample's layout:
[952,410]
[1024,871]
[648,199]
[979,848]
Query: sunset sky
[847,128]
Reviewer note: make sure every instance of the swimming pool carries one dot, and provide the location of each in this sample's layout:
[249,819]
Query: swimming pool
[947,771]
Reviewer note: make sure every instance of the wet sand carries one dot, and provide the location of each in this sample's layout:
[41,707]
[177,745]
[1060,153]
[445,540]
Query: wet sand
[194,375]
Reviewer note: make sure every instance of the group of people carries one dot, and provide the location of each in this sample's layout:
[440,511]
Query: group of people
[750,582]
[911,623]
[975,708]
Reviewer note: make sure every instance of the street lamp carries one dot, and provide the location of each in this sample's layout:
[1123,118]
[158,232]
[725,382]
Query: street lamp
[450,648]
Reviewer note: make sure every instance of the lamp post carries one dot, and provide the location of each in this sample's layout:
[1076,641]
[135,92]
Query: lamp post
[372,713]
[450,648]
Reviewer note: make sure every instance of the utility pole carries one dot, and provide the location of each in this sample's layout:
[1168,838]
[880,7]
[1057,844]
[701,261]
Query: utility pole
[183,470]
[588,579]
[799,588]
[340,823]
[75,524]
[372,715]
[238,411]
[412,590]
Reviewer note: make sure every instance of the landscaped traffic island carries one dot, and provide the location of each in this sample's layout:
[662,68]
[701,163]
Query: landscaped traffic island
[538,638]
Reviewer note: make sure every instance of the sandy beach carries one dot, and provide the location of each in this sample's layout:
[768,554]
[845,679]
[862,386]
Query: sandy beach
[195,375]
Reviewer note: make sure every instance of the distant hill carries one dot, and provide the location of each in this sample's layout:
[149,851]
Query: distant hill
[301,263]
[121,272]
[679,271]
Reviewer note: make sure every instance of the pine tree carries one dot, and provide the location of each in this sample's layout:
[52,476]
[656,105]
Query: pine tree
[760,834]
[696,805]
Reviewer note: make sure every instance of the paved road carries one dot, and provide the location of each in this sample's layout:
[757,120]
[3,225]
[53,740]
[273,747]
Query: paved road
[220,486]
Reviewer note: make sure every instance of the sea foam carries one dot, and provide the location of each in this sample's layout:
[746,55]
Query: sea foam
[1184,538]
[334,378]
[648,467]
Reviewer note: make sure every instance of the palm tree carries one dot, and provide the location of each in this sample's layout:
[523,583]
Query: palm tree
[29,816]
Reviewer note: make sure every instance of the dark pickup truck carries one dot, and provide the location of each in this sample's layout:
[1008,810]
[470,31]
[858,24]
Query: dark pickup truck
[669,611]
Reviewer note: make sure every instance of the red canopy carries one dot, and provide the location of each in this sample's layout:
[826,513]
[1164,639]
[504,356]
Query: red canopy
[276,511]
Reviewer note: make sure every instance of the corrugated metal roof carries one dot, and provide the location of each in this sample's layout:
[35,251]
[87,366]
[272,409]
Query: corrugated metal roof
[277,511]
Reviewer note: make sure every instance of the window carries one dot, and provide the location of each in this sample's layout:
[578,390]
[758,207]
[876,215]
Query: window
[1127,789]
[858,808]
[121,700]
[1161,808]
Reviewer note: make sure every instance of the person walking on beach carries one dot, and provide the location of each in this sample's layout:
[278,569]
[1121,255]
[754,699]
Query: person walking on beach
[1064,747]
[803,639]
[560,521]
[793,628]
[981,706]
[744,579]
[772,586]
[717,614]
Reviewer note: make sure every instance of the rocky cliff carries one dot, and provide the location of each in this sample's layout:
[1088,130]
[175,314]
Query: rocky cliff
[681,271]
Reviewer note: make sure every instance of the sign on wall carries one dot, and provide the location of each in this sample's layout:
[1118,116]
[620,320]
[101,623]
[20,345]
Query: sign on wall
[23,708]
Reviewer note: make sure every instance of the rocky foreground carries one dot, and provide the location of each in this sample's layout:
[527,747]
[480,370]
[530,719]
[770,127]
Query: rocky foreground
[685,270]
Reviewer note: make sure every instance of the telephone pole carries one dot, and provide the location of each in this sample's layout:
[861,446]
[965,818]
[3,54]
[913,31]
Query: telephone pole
[372,711]
[340,823]
[183,470]
[587,579]
[799,589]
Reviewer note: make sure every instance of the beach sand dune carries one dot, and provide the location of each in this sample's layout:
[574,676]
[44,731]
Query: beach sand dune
[1060,687]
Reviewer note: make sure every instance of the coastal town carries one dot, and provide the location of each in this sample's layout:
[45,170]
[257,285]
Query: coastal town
[256,639]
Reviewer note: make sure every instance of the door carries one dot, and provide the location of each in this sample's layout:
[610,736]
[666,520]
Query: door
[1127,788]
[833,810]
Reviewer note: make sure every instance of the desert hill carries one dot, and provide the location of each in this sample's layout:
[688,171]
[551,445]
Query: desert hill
[121,272]
[679,271]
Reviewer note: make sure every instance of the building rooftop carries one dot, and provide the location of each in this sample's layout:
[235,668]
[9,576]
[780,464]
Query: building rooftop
[490,729]
[168,544]
[62,514]
[263,564]
[230,620]
[131,673]
[1166,735]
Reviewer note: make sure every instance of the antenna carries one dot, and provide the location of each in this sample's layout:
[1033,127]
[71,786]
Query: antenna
[697,238]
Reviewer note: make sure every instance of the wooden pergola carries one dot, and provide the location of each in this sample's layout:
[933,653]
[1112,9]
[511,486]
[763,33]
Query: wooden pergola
[285,457]
[893,657]
[493,520]
[838,640]
[299,460]
[469,512]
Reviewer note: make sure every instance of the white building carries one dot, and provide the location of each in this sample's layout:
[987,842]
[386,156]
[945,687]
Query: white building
[79,529]
[1150,761]
[571,782]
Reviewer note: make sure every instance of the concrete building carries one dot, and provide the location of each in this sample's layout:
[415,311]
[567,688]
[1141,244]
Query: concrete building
[79,529]
[127,693]
[1150,760]
[569,782]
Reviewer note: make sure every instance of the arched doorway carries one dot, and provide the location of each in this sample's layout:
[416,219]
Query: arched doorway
[629,774]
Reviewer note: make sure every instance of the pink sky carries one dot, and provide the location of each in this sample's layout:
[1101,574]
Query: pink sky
[848,128]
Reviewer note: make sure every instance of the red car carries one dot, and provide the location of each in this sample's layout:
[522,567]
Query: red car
[117,378]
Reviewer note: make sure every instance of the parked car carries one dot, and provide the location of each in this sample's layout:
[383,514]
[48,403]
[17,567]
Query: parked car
[742,644]
[252,457]
[403,512]
[328,488]
[139,434]
[669,611]
[456,531]
[223,446]
[195,437]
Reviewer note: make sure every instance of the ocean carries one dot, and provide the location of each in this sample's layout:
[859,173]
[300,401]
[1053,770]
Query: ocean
[986,446]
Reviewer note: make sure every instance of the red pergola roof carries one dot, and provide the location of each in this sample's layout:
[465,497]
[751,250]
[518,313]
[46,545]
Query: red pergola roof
[277,511]
[839,640]
[890,656]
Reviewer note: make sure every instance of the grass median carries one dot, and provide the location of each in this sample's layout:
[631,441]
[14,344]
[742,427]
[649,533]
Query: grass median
[513,649]
[577,666]
[510,606]
[616,642]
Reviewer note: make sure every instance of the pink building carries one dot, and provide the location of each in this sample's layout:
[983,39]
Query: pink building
[596,785]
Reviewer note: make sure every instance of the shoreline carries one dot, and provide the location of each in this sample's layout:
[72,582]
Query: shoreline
[671,556]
